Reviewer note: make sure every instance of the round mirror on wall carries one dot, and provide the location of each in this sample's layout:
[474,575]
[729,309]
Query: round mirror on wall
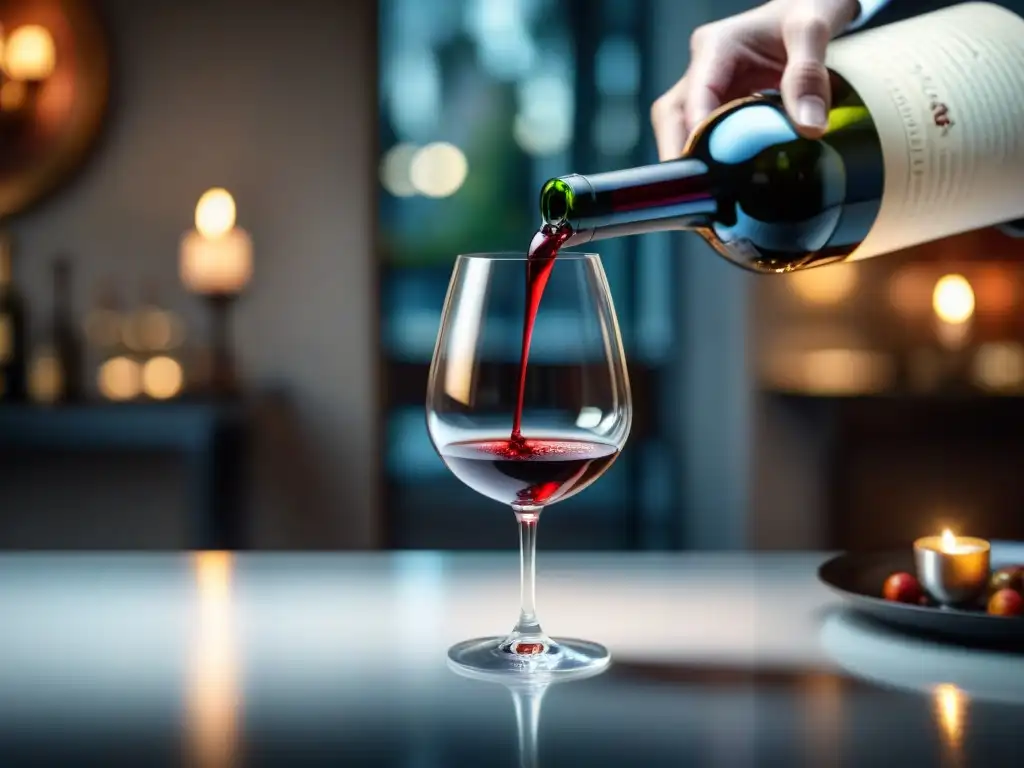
[54,82]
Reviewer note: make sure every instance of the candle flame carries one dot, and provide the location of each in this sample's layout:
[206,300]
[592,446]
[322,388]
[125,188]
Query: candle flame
[948,540]
[215,213]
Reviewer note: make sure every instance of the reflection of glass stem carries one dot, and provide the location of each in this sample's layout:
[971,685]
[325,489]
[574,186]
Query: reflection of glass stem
[527,694]
[527,700]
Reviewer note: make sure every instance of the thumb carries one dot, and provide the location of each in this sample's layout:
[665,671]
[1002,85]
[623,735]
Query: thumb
[806,92]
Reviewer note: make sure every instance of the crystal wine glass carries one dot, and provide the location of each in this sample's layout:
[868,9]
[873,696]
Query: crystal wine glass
[575,419]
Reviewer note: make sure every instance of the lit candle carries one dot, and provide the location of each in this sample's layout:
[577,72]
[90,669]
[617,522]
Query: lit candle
[216,257]
[954,570]
[953,302]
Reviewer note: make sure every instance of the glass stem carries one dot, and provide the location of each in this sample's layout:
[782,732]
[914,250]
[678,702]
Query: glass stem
[527,518]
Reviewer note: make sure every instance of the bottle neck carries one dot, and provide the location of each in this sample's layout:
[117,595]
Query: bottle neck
[673,195]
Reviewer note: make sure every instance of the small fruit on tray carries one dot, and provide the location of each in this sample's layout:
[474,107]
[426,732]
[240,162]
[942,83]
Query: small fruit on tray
[1006,602]
[903,588]
[1010,577]
[1005,593]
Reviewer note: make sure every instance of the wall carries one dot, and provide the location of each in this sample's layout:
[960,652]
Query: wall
[275,101]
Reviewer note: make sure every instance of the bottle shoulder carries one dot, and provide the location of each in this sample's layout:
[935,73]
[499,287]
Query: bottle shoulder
[786,201]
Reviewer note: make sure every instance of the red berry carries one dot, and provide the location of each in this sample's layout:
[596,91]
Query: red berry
[1006,602]
[903,588]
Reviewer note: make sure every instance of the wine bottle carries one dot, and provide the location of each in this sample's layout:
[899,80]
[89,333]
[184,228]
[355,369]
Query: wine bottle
[925,140]
[13,336]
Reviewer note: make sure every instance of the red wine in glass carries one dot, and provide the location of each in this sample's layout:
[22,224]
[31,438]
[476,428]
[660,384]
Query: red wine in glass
[466,408]
[543,251]
[530,472]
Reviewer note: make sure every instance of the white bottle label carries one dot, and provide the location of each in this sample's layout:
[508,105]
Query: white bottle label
[946,92]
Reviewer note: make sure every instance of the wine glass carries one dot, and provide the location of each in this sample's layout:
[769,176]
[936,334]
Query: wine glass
[576,415]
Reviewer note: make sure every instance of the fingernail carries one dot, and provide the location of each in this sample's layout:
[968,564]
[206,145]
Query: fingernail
[810,111]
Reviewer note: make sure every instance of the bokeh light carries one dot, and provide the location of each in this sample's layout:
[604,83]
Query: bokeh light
[46,377]
[953,299]
[999,366]
[29,53]
[544,121]
[825,285]
[438,169]
[215,213]
[396,170]
[119,379]
[162,378]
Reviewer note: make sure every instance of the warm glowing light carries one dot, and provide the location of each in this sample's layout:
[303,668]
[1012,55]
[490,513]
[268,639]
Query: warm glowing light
[29,53]
[119,379]
[824,286]
[910,291]
[951,545]
[12,95]
[438,170]
[46,378]
[214,689]
[994,290]
[162,378]
[824,713]
[215,213]
[999,365]
[948,541]
[950,706]
[216,258]
[834,371]
[396,170]
[953,299]
[153,329]
[213,577]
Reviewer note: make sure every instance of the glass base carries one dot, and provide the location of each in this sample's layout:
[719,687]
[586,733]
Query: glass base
[558,657]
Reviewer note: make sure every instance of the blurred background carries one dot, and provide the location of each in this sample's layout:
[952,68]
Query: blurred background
[228,229]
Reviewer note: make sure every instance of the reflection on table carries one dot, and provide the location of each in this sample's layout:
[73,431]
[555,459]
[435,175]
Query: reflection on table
[215,659]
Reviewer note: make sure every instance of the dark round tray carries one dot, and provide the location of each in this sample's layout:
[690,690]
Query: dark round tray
[858,579]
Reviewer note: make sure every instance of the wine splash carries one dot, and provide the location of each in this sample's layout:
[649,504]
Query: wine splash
[540,261]
[530,472]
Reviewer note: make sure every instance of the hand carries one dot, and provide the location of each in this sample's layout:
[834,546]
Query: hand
[779,45]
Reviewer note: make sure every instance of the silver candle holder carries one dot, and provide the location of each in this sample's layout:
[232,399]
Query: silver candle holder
[953,570]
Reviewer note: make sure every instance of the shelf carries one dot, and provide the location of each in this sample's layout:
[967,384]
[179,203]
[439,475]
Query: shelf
[936,397]
[211,437]
[941,417]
